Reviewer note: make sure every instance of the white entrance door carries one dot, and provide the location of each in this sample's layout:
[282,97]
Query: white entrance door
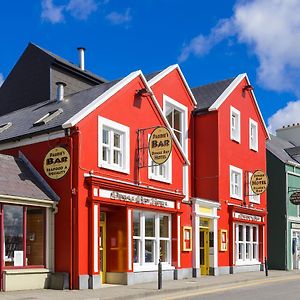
[296,249]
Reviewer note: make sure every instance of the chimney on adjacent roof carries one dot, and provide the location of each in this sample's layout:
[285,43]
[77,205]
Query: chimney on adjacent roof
[81,57]
[60,91]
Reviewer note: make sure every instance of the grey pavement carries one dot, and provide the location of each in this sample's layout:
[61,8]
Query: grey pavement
[149,290]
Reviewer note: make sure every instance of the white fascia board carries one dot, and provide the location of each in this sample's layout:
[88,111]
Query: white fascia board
[168,70]
[227,92]
[165,120]
[261,117]
[101,99]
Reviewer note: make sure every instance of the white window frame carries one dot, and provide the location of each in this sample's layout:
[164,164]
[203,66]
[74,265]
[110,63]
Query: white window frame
[253,141]
[124,131]
[141,265]
[235,131]
[183,119]
[153,169]
[239,171]
[251,259]
[253,198]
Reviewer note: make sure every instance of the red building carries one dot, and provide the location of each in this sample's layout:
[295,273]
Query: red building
[119,213]
[230,144]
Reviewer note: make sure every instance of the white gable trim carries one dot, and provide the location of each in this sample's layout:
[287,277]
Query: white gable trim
[109,93]
[166,121]
[229,90]
[100,100]
[168,70]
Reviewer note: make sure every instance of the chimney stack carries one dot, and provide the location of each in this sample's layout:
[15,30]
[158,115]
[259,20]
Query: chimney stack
[81,57]
[60,91]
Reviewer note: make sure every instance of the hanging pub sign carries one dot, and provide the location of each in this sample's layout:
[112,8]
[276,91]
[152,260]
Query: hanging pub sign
[295,198]
[160,145]
[259,182]
[57,163]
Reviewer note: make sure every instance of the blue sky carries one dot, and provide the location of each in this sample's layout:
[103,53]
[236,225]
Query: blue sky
[211,41]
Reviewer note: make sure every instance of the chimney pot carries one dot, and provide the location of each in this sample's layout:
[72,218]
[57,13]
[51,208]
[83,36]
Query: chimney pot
[60,90]
[81,51]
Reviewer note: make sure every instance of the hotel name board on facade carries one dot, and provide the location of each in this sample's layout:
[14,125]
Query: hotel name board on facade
[138,199]
[247,217]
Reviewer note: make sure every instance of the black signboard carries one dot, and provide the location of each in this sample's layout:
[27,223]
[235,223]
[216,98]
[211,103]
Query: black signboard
[295,198]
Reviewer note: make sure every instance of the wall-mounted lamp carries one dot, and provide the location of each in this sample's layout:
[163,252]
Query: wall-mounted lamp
[144,92]
[247,88]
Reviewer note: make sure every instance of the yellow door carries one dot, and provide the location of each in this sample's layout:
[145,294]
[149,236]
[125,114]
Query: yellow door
[103,247]
[204,251]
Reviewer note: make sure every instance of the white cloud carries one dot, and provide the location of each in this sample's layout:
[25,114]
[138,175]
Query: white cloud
[271,28]
[288,115]
[118,18]
[78,9]
[51,12]
[1,79]
[81,9]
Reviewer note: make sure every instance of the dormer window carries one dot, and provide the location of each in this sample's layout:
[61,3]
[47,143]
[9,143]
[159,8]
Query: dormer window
[48,117]
[5,126]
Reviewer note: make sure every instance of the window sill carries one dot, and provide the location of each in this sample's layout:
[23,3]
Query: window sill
[114,168]
[236,197]
[254,149]
[26,271]
[151,267]
[160,179]
[236,140]
[247,263]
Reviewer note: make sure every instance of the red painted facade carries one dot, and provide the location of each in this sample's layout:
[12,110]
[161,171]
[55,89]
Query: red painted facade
[75,235]
[215,152]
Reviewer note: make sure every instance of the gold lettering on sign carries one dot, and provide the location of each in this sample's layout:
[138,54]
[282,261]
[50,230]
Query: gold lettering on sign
[57,163]
[160,145]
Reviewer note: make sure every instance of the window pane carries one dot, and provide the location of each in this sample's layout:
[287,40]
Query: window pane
[136,223]
[163,251]
[150,225]
[105,136]
[117,140]
[117,157]
[105,154]
[248,250]
[241,233]
[254,234]
[149,251]
[255,251]
[13,235]
[35,236]
[136,253]
[178,135]
[248,233]
[241,250]
[164,226]
[177,121]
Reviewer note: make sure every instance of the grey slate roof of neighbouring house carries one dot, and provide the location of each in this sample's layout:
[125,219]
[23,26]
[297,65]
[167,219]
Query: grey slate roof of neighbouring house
[282,149]
[70,64]
[206,95]
[17,179]
[23,119]
[152,75]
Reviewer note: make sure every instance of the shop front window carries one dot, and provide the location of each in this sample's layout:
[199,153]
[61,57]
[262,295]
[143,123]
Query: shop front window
[24,236]
[152,238]
[246,243]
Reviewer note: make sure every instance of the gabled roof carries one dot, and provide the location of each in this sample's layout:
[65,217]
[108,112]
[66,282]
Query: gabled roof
[17,179]
[218,92]
[283,150]
[23,119]
[157,76]
[74,108]
[69,64]
[207,95]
